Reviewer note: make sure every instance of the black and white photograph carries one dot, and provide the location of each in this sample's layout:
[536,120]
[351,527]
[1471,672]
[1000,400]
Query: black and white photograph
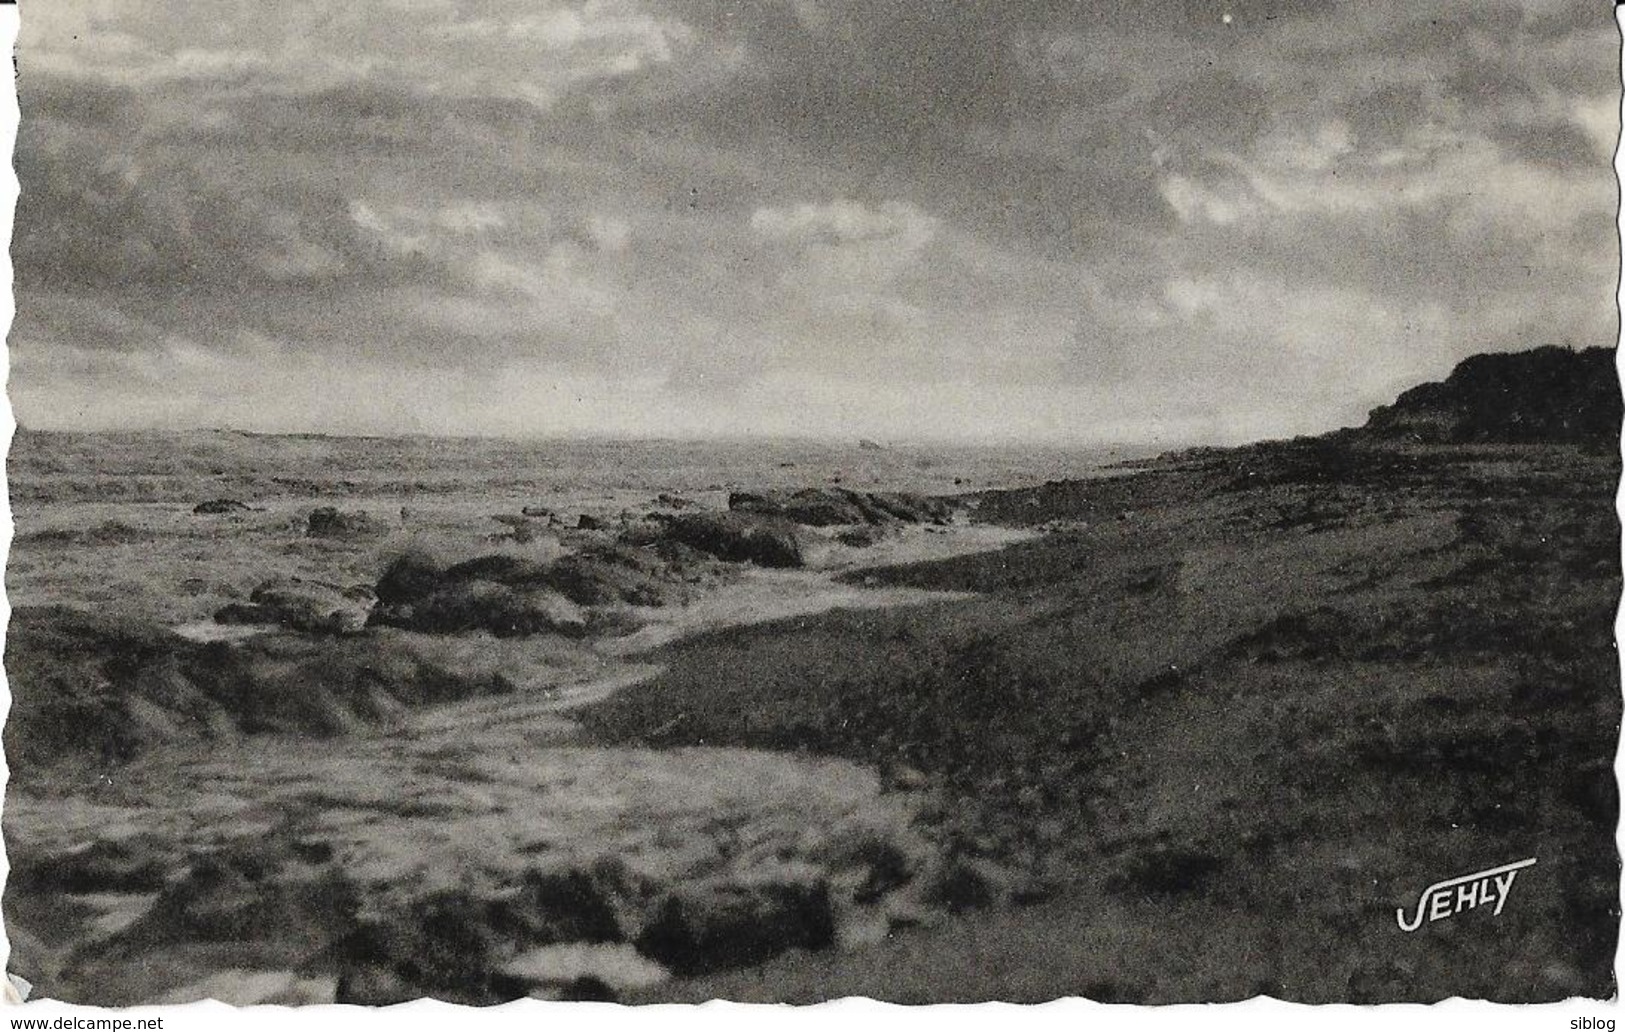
[780,501]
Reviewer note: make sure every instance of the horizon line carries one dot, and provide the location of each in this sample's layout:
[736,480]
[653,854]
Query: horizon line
[852,442]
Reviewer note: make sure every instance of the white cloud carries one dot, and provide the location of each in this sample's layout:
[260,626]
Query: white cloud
[1316,223]
[609,232]
[845,220]
[1195,201]
[844,247]
[1598,117]
[207,64]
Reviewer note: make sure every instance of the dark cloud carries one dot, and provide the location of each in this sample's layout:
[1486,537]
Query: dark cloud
[1140,212]
[1549,142]
[153,230]
[1483,82]
[78,101]
[1383,118]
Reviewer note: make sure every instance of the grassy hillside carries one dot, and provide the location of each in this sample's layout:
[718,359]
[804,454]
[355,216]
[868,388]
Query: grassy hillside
[1235,710]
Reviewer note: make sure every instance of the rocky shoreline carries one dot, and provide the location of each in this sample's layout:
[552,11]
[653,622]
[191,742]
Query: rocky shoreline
[439,822]
[1213,715]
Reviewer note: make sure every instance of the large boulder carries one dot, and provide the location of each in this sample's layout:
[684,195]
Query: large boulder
[460,944]
[523,529]
[966,883]
[131,864]
[304,605]
[443,946]
[257,889]
[861,537]
[811,507]
[614,574]
[328,522]
[834,506]
[516,571]
[410,577]
[739,537]
[869,857]
[499,608]
[911,508]
[568,899]
[92,690]
[725,923]
[219,507]
[514,595]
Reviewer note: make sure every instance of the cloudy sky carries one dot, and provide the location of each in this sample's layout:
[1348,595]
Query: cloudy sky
[1174,221]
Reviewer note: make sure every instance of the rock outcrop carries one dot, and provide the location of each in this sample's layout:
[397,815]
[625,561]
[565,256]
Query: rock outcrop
[615,574]
[328,522]
[219,507]
[720,924]
[833,506]
[476,605]
[89,690]
[304,605]
[133,864]
[560,927]
[512,595]
[1551,395]
[108,532]
[743,537]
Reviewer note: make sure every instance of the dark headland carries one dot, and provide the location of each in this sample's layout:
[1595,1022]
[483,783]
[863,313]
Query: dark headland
[1196,737]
